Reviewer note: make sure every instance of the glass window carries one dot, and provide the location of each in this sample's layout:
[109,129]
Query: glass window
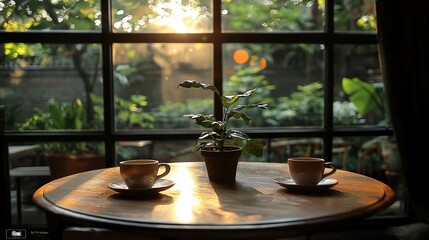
[163,16]
[360,98]
[272,16]
[66,71]
[50,15]
[280,149]
[52,86]
[356,15]
[146,79]
[162,150]
[289,77]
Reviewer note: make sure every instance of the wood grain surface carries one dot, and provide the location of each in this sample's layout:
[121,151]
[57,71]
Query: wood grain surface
[194,205]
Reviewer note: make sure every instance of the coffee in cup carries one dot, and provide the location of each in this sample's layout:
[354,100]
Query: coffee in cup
[309,170]
[142,173]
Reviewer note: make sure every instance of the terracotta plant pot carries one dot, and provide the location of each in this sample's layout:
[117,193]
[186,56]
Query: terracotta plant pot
[64,165]
[221,166]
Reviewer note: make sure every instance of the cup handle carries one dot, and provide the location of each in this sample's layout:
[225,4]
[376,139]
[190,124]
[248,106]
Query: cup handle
[167,170]
[333,169]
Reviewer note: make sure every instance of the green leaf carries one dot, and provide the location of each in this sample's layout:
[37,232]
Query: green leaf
[239,115]
[363,95]
[263,106]
[239,134]
[97,99]
[228,101]
[250,106]
[200,144]
[204,135]
[248,93]
[56,115]
[140,100]
[78,123]
[201,119]
[217,126]
[254,147]
[195,84]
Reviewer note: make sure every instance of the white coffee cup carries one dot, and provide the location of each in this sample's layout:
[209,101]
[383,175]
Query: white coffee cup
[142,173]
[309,170]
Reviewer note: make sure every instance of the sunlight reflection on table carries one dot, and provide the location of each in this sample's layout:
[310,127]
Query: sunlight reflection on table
[186,201]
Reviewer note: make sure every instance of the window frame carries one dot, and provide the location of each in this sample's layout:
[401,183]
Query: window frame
[106,38]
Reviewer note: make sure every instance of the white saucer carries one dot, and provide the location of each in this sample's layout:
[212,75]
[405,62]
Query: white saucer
[291,185]
[160,185]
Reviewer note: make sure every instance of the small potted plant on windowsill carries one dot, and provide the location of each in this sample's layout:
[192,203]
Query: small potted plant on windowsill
[221,146]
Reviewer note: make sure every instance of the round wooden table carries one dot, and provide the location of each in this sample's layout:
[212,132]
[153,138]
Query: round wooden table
[254,207]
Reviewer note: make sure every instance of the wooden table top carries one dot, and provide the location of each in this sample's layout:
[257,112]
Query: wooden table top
[194,206]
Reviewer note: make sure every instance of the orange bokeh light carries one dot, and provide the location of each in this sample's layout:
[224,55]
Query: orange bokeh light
[262,63]
[241,56]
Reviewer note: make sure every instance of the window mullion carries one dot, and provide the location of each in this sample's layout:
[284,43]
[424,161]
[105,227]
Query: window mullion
[328,80]
[217,56]
[108,91]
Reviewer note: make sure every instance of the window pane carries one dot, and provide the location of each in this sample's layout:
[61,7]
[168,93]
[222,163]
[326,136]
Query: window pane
[161,150]
[287,77]
[355,15]
[146,79]
[163,16]
[52,87]
[283,148]
[50,15]
[359,89]
[272,16]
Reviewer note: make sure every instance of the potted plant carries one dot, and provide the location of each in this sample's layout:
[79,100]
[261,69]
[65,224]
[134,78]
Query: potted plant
[65,158]
[221,146]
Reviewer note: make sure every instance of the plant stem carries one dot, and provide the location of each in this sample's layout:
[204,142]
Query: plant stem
[224,134]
